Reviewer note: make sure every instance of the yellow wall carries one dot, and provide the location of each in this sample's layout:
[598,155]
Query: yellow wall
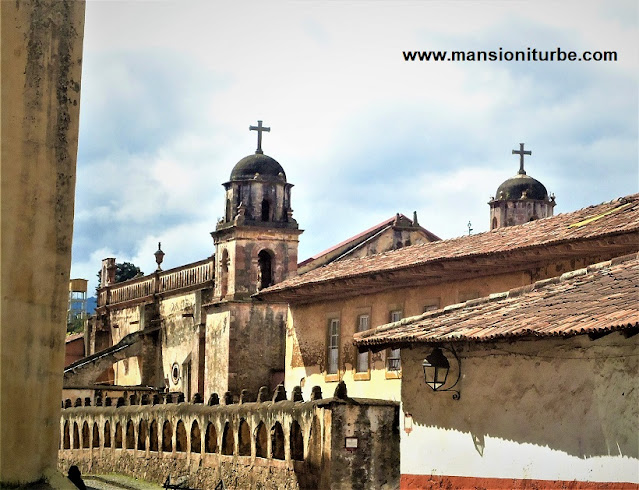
[307,328]
[40,84]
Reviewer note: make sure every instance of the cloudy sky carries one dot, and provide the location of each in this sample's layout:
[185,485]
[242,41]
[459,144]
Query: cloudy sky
[170,88]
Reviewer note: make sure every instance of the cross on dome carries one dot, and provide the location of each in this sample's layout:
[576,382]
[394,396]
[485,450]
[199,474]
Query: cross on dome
[521,154]
[259,128]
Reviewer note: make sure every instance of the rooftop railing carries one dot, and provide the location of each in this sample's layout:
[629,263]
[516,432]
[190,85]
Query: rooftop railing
[187,276]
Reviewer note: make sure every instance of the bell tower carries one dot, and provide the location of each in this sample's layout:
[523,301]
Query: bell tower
[256,241]
[520,199]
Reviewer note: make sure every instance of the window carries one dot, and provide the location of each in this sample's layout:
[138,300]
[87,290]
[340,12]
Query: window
[266,210]
[265,269]
[431,305]
[333,346]
[393,362]
[363,358]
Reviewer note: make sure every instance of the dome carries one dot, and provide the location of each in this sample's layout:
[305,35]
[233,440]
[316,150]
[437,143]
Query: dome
[515,187]
[258,163]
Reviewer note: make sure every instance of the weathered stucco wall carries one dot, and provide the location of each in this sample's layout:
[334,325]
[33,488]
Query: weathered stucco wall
[307,327]
[217,352]
[557,409]
[40,97]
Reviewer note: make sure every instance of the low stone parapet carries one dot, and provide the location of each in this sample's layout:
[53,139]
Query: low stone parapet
[327,443]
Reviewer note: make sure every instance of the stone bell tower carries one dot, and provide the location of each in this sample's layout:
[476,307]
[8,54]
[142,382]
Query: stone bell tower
[256,241]
[520,199]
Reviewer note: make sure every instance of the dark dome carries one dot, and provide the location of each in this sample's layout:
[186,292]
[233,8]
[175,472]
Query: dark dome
[258,163]
[514,187]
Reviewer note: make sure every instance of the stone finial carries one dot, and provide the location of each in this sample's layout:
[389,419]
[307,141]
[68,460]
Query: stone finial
[228,398]
[316,393]
[240,218]
[279,394]
[244,396]
[262,394]
[296,394]
[214,399]
[159,257]
[180,398]
[415,222]
[197,398]
[120,402]
[340,391]
[78,402]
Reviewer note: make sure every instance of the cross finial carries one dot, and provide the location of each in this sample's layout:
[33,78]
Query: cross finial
[259,128]
[521,154]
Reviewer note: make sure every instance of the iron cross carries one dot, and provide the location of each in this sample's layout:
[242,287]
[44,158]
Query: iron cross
[521,154]
[259,128]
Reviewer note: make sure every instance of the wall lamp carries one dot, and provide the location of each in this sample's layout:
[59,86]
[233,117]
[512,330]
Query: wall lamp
[436,367]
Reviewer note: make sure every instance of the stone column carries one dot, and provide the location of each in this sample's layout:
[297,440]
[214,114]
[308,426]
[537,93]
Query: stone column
[41,54]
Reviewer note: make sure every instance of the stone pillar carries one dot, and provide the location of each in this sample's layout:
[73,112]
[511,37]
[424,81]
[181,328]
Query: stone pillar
[40,98]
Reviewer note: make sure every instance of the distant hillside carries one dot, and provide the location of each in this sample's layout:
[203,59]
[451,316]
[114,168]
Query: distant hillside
[92,304]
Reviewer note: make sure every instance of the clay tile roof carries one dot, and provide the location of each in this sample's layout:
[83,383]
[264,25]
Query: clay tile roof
[610,218]
[598,299]
[74,336]
[356,239]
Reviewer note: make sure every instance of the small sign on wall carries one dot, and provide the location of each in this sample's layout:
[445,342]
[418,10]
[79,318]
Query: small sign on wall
[351,443]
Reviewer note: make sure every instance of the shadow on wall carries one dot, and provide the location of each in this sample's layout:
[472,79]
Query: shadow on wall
[572,395]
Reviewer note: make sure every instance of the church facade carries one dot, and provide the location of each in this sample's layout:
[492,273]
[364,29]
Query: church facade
[198,328]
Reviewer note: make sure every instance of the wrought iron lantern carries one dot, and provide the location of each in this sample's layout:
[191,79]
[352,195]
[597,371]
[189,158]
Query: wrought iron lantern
[436,368]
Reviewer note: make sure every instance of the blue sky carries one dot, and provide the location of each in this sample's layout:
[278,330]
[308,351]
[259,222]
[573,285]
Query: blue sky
[170,88]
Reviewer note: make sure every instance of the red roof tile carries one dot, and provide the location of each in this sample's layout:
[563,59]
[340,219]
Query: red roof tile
[610,218]
[597,299]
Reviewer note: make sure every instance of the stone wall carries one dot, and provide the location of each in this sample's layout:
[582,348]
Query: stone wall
[266,444]
[40,98]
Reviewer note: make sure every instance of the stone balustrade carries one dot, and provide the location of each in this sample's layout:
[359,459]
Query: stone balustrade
[178,279]
[277,443]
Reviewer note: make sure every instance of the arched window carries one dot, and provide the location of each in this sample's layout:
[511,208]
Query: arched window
[228,210]
[297,442]
[261,441]
[118,436]
[153,436]
[244,439]
[266,210]
[96,435]
[85,435]
[228,441]
[180,437]
[196,442]
[167,433]
[130,435]
[76,436]
[277,441]
[224,280]
[142,435]
[210,439]
[107,434]
[265,269]
[67,436]
[494,225]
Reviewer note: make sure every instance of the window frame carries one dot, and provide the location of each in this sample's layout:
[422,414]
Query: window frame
[395,315]
[362,375]
[333,320]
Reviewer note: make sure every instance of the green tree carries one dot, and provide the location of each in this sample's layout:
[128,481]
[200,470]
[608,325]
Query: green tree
[123,272]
